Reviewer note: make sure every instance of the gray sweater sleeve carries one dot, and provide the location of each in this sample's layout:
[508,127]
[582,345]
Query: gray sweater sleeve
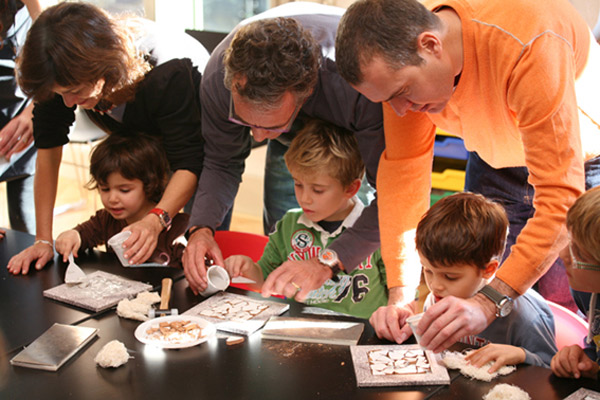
[227,145]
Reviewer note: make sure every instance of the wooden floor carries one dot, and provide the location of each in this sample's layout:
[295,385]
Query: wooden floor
[81,203]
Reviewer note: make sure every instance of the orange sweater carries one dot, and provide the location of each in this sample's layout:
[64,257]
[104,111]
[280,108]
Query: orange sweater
[528,74]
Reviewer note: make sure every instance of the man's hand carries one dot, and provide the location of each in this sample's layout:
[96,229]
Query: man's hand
[295,279]
[144,237]
[500,354]
[20,263]
[450,319]
[201,245]
[2,233]
[572,362]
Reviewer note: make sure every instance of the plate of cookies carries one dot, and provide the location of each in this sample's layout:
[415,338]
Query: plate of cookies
[175,331]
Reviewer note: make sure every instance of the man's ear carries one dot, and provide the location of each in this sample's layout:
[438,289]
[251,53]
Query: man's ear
[490,269]
[430,43]
[353,188]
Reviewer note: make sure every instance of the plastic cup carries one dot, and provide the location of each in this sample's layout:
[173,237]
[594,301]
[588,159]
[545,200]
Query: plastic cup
[218,280]
[413,322]
[116,243]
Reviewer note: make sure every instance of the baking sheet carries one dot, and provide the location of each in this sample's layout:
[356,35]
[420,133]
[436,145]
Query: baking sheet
[313,330]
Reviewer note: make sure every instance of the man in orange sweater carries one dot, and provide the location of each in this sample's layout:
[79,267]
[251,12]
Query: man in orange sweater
[517,80]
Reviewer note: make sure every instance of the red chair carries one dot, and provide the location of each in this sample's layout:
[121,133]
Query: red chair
[570,328]
[248,244]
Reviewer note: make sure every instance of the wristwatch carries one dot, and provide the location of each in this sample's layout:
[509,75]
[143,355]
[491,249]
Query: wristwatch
[165,220]
[330,259]
[504,304]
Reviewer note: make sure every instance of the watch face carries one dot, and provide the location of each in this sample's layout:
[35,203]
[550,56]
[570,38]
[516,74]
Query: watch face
[328,255]
[505,307]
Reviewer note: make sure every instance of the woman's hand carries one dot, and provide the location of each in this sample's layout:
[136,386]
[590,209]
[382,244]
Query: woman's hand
[19,264]
[143,240]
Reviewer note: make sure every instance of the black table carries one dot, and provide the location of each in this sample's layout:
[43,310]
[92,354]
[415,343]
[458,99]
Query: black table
[255,369]
[25,313]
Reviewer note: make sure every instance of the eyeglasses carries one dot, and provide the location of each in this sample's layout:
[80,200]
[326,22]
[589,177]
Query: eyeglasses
[582,265]
[277,129]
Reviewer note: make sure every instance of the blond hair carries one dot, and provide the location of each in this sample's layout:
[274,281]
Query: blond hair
[583,221]
[323,147]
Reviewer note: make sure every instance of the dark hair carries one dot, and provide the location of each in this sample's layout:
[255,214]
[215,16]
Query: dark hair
[8,10]
[134,156]
[273,56]
[386,28]
[462,228]
[74,44]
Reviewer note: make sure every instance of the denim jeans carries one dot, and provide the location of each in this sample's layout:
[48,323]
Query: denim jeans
[509,187]
[279,195]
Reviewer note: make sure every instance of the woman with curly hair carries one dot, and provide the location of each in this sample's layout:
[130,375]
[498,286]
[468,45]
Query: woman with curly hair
[127,74]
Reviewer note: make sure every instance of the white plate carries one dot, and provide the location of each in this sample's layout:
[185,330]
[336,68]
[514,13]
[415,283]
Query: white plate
[208,331]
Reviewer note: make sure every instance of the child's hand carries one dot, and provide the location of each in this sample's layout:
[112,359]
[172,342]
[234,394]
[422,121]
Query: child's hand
[244,266]
[68,242]
[501,354]
[239,265]
[389,322]
[572,362]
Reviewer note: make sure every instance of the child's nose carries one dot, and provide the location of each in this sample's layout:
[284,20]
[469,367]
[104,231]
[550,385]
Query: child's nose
[306,197]
[113,197]
[435,285]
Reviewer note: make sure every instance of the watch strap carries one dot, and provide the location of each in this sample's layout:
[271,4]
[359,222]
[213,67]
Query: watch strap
[163,216]
[499,299]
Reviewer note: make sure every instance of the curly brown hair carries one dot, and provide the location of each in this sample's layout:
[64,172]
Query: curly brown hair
[134,156]
[73,44]
[271,57]
[387,28]
[462,228]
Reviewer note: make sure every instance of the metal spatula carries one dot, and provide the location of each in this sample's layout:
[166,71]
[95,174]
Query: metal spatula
[74,274]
